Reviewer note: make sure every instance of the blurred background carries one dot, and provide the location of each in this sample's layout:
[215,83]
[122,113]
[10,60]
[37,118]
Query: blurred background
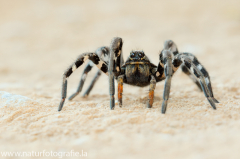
[39,39]
[46,36]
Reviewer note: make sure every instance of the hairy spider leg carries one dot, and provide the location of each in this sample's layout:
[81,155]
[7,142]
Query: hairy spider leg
[114,69]
[170,46]
[200,73]
[188,61]
[151,91]
[102,52]
[102,65]
[168,71]
[120,89]
[94,80]
[87,69]
[188,73]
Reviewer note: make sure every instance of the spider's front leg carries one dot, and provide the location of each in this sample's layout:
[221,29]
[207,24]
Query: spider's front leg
[168,71]
[151,91]
[120,89]
[166,68]
[114,68]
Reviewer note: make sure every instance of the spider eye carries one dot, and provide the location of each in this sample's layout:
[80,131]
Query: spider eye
[132,55]
[140,55]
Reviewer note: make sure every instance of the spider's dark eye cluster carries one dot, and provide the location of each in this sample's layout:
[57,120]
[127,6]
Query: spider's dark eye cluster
[140,54]
[137,54]
[132,55]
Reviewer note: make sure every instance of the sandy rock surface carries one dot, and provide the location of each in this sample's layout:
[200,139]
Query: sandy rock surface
[40,39]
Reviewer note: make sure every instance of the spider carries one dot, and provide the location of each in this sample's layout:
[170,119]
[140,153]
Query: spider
[139,71]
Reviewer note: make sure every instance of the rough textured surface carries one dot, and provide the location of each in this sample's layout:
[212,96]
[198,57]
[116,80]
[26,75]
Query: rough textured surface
[40,39]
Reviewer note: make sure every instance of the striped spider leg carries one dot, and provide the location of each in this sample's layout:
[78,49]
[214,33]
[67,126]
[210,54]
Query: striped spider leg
[103,53]
[170,60]
[102,60]
[201,75]
[94,57]
[114,70]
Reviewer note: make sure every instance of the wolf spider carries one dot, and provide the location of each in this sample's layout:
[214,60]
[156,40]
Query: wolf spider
[139,71]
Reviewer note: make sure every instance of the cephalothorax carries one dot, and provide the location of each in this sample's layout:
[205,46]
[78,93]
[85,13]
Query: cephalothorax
[139,71]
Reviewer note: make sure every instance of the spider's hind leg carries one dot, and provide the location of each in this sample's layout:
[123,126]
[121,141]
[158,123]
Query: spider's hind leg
[188,73]
[170,60]
[96,77]
[87,69]
[102,52]
[101,64]
[201,74]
